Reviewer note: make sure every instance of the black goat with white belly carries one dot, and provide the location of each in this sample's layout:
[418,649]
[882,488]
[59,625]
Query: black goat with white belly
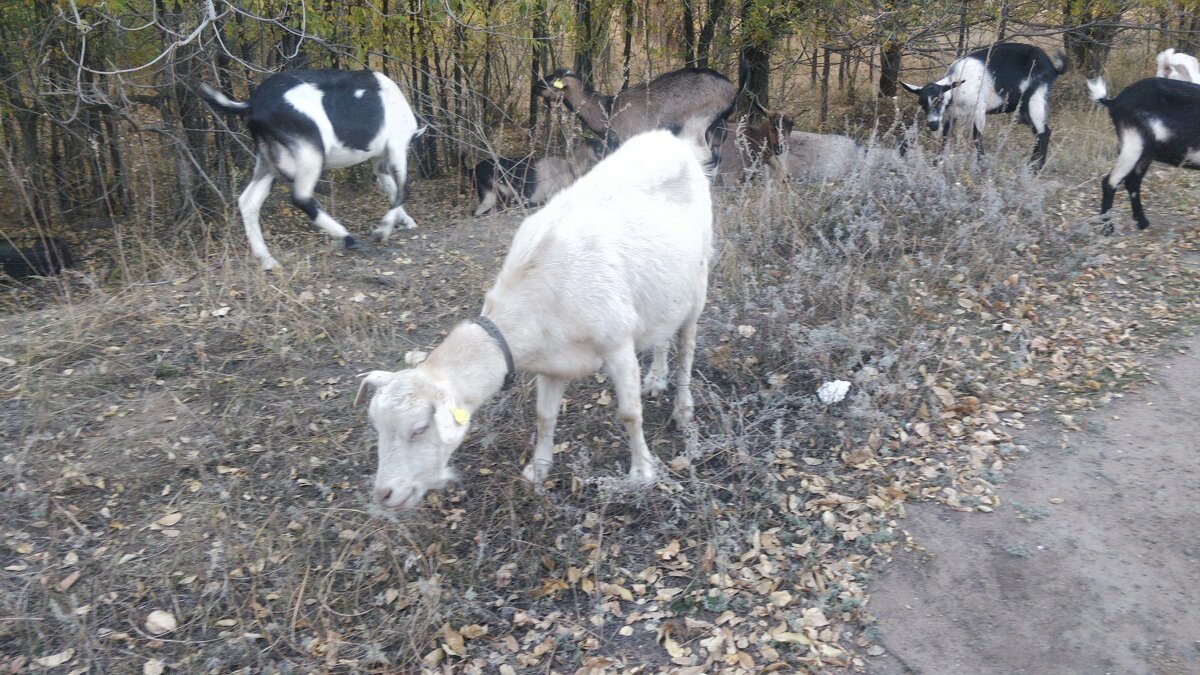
[305,121]
[1157,120]
[1003,78]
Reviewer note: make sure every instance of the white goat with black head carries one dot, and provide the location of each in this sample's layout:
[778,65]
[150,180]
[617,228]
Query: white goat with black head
[691,102]
[1157,120]
[615,264]
[306,121]
[1177,66]
[1003,78]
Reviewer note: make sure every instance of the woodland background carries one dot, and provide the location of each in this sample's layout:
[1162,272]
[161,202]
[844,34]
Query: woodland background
[100,116]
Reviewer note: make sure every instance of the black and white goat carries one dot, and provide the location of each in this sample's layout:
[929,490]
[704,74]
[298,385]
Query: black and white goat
[1003,78]
[692,103]
[47,257]
[1177,66]
[531,182]
[1156,120]
[306,121]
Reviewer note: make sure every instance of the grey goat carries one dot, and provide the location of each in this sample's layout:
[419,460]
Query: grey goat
[692,103]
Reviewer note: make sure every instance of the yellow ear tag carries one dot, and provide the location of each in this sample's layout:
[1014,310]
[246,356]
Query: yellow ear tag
[558,84]
[461,416]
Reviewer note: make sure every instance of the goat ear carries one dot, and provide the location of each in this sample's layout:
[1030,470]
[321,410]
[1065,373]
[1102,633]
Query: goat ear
[452,421]
[374,379]
[954,84]
[911,87]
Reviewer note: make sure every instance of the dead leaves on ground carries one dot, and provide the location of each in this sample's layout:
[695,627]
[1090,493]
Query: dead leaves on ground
[786,595]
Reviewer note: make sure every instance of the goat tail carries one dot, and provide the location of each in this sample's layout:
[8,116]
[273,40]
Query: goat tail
[222,103]
[1060,62]
[1099,91]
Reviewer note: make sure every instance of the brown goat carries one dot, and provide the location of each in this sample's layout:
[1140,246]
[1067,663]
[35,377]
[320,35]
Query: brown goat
[753,145]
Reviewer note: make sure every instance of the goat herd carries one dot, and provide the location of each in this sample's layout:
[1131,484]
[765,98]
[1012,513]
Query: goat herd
[617,261]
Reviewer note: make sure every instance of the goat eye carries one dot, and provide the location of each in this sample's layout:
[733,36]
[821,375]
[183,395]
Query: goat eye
[417,431]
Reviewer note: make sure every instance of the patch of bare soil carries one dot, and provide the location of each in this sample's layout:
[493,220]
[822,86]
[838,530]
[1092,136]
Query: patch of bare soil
[1090,566]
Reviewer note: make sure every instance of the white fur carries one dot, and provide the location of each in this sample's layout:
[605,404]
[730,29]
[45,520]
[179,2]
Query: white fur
[970,100]
[614,264]
[1160,130]
[1177,66]
[1132,145]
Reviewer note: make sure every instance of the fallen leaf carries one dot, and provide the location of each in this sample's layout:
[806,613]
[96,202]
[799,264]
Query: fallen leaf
[54,660]
[169,519]
[68,581]
[159,622]
[614,589]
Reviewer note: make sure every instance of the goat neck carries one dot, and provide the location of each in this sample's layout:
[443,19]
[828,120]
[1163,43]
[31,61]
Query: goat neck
[469,363]
[593,108]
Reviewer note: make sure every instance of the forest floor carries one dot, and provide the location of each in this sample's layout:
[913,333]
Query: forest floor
[185,477]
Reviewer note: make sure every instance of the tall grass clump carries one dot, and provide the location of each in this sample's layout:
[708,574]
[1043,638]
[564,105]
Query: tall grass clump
[853,280]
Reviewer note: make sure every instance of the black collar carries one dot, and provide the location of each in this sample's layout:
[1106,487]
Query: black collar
[486,324]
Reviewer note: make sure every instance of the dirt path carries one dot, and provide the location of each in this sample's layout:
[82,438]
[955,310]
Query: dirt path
[1104,581]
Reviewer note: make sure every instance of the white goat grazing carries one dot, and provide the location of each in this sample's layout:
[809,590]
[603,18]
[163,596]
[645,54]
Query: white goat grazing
[1177,66]
[306,121]
[616,263]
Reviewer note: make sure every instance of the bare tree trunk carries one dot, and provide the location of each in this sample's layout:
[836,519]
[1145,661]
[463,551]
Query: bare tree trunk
[961,48]
[537,58]
[627,48]
[707,31]
[755,77]
[584,41]
[1190,42]
[1089,35]
[889,68]
[689,34]
[824,86]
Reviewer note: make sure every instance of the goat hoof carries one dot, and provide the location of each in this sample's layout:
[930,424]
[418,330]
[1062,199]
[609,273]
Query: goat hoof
[269,264]
[642,475]
[653,385]
[536,472]
[682,417]
[350,242]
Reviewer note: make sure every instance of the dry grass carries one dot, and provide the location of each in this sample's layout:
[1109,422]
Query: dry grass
[195,385]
